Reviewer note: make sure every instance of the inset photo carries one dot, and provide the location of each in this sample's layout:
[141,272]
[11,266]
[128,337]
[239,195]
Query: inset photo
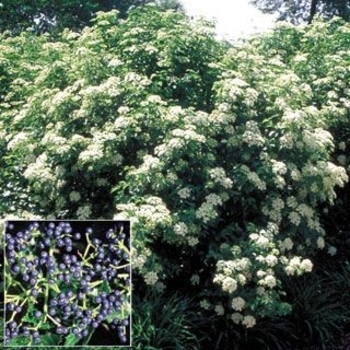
[67,283]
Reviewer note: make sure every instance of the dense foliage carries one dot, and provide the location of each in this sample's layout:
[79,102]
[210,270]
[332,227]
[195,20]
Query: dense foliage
[225,157]
[302,11]
[53,16]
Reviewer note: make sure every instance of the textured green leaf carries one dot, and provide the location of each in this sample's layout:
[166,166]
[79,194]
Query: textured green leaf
[19,341]
[50,339]
[71,339]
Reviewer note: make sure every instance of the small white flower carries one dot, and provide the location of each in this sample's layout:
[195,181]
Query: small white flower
[242,280]
[262,241]
[180,229]
[74,196]
[342,159]
[320,243]
[219,310]
[204,304]
[295,262]
[271,260]
[84,212]
[229,285]
[238,304]
[306,265]
[294,218]
[269,281]
[192,241]
[290,270]
[151,278]
[342,146]
[332,251]
[172,178]
[288,244]
[261,273]
[249,321]
[184,193]
[138,261]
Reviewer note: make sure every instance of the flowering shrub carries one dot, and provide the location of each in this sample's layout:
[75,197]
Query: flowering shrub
[220,155]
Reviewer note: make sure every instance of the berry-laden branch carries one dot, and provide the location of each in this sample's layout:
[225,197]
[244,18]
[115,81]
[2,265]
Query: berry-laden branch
[65,285]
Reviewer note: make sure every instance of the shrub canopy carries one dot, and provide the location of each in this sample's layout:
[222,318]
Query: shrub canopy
[220,154]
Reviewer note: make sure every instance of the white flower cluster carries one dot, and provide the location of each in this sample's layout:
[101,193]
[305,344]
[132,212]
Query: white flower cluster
[228,284]
[293,117]
[184,193]
[249,321]
[204,304]
[192,241]
[294,218]
[18,140]
[271,260]
[332,251]
[287,140]
[278,167]
[274,210]
[268,281]
[332,176]
[252,135]
[219,309]
[180,229]
[149,162]
[317,138]
[206,211]
[238,304]
[286,244]
[84,212]
[123,122]
[218,175]
[171,177]
[94,152]
[233,88]
[188,134]
[320,242]
[342,146]
[260,239]
[40,170]
[151,213]
[138,261]
[151,278]
[298,266]
[230,266]
[74,196]
[59,98]
[254,178]
[199,118]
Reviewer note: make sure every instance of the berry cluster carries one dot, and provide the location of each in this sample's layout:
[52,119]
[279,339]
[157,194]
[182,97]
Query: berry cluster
[69,280]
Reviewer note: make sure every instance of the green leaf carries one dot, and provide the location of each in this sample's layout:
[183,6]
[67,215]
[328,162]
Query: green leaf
[28,317]
[50,339]
[19,341]
[105,287]
[71,340]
